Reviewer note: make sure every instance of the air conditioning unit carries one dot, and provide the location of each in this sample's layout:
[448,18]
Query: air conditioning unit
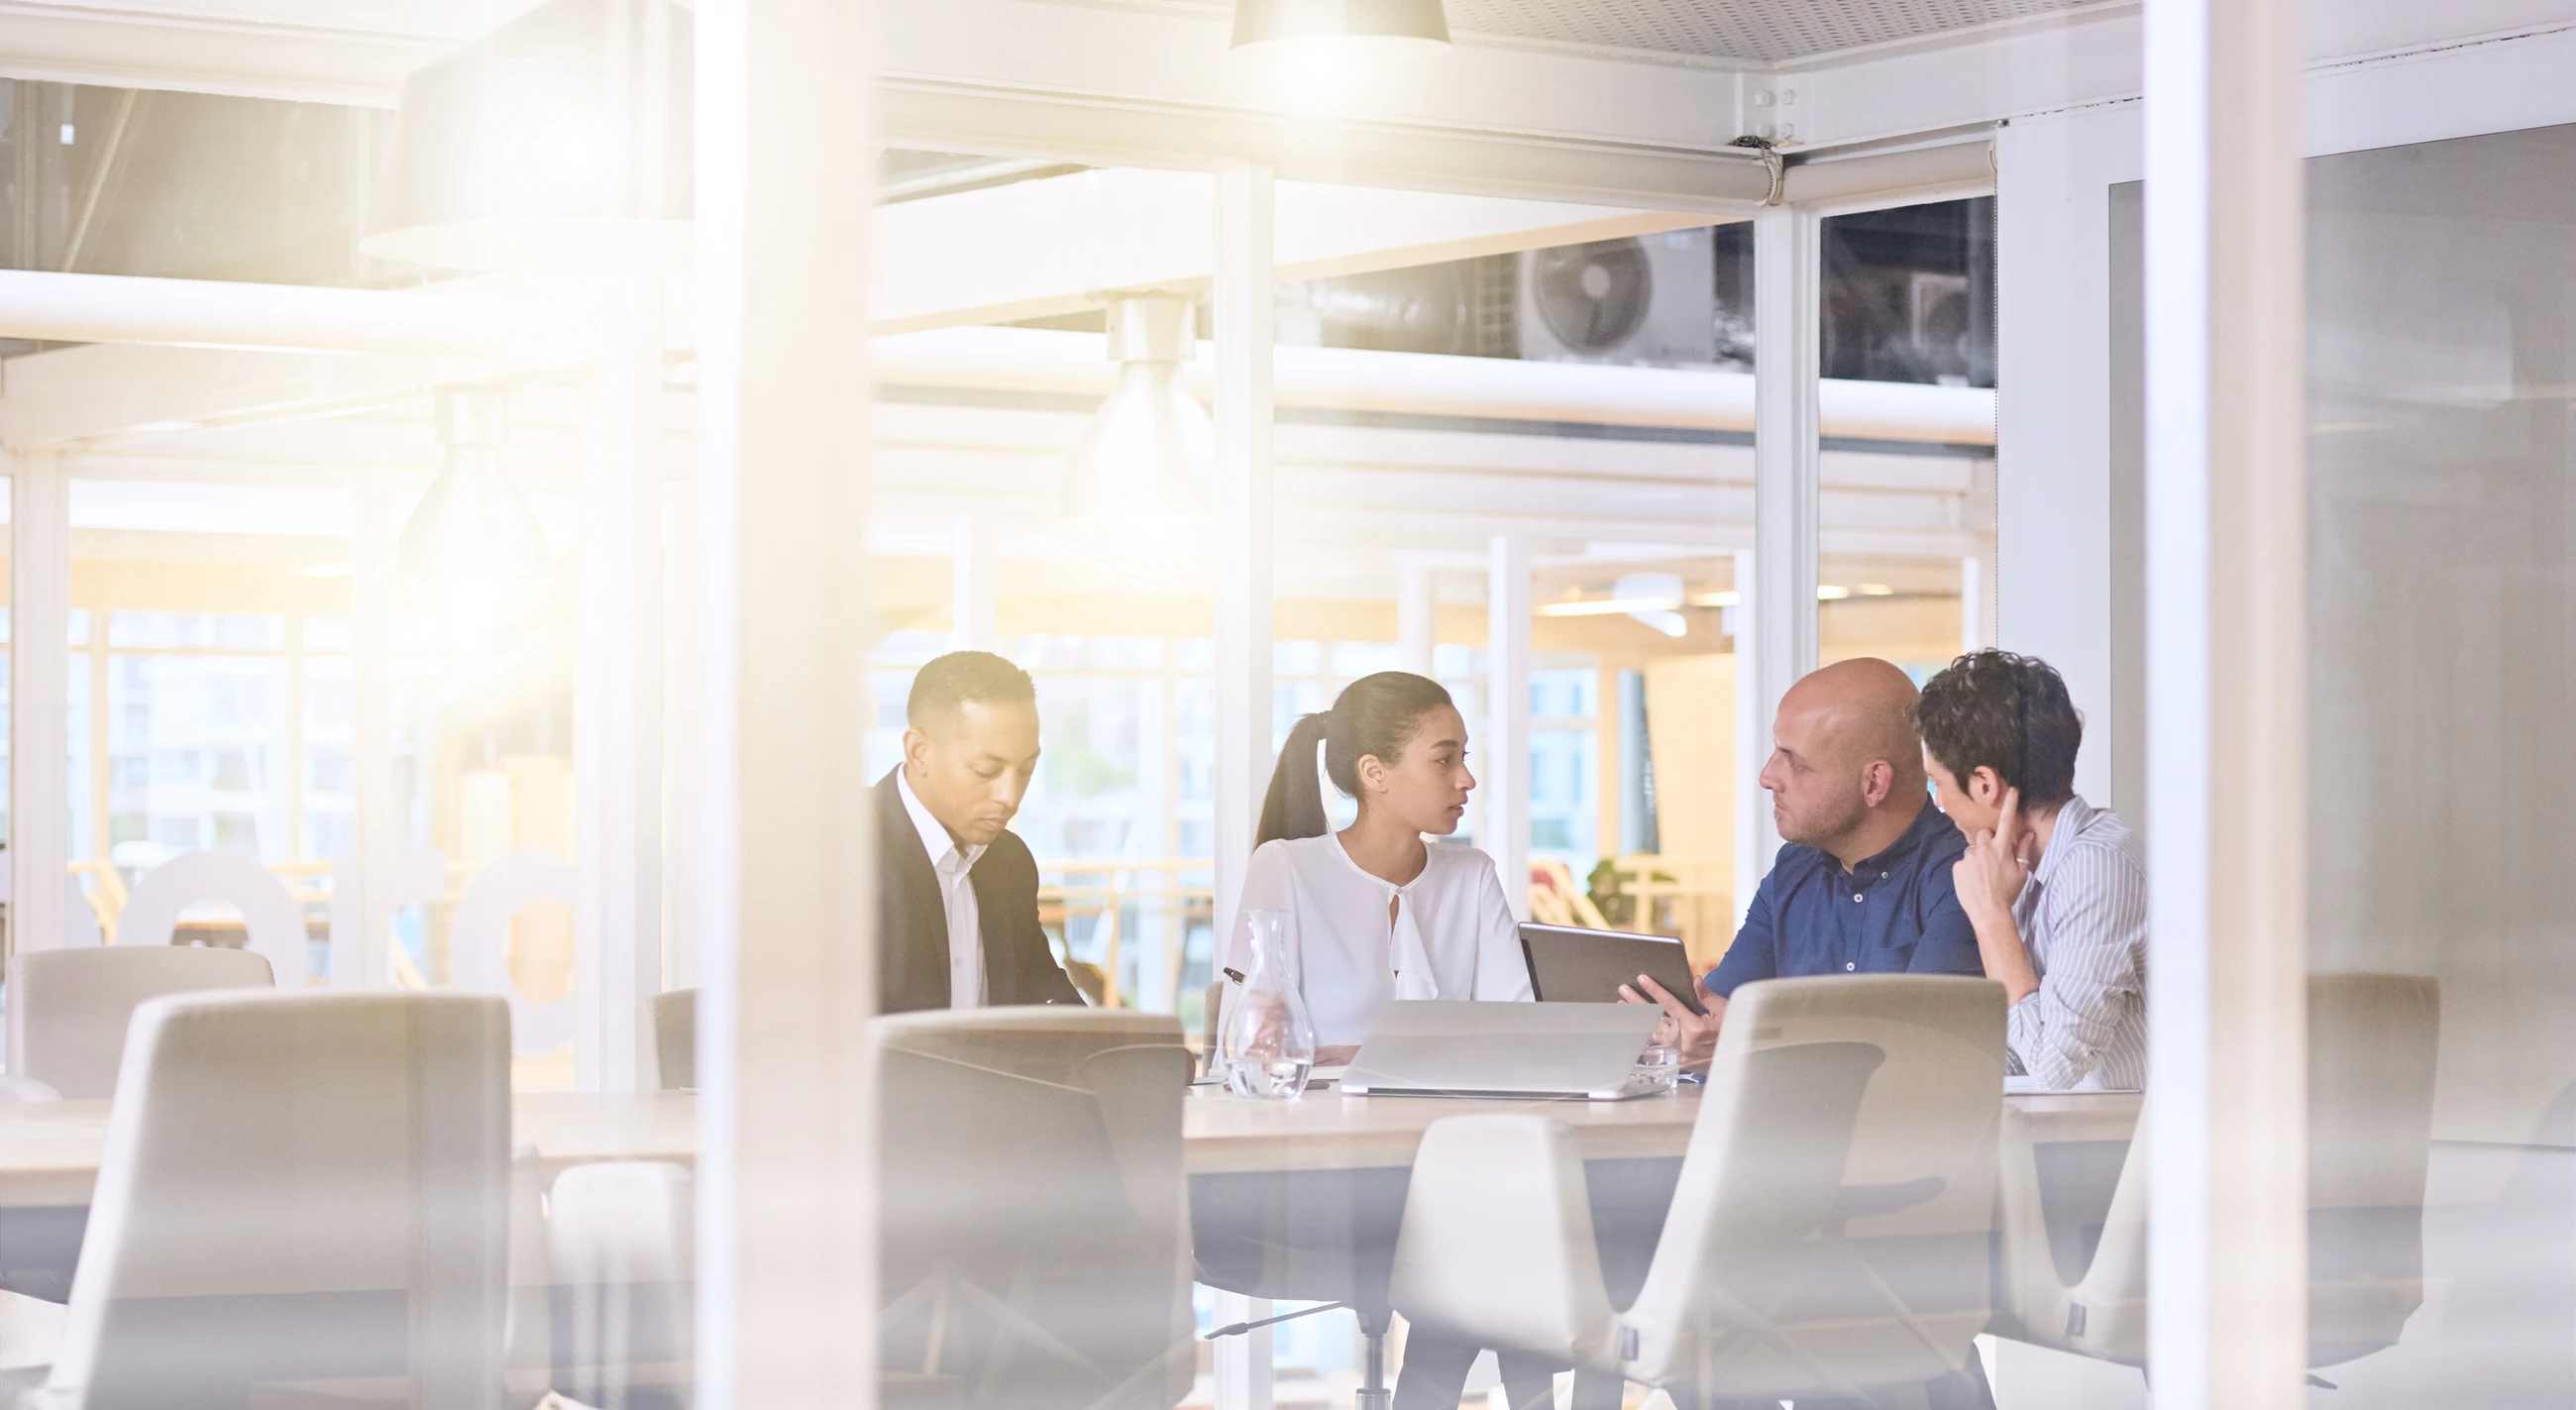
[1649,299]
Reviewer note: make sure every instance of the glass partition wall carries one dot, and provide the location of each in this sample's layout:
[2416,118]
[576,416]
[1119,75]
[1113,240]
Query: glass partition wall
[1501,403]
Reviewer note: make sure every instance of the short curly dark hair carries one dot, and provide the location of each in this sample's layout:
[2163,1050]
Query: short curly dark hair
[1993,709]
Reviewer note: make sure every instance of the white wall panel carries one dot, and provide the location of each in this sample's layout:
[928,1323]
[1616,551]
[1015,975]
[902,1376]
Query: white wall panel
[2053,475]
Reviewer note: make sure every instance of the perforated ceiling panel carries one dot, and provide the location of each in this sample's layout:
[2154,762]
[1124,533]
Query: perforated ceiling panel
[1735,29]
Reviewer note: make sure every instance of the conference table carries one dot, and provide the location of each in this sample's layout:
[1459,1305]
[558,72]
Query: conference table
[49,1151]
[1246,1157]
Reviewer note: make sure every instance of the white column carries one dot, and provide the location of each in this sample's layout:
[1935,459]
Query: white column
[1786,337]
[1244,317]
[1755,842]
[974,578]
[1506,750]
[1417,615]
[1244,314]
[364,961]
[1973,605]
[2226,631]
[40,591]
[617,691]
[2054,344]
[786,145]
[684,734]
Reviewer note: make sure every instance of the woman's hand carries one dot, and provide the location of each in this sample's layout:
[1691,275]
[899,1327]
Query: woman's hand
[1693,1035]
[1990,875]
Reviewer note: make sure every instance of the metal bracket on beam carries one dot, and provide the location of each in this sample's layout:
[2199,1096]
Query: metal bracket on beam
[1773,164]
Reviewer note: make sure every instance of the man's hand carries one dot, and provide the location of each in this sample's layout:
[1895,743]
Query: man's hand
[1994,869]
[1693,1035]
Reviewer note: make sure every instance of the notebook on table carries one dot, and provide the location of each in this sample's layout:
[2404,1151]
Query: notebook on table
[1454,1048]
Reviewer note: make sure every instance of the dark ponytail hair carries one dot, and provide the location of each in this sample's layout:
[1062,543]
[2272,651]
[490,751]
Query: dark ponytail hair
[1374,715]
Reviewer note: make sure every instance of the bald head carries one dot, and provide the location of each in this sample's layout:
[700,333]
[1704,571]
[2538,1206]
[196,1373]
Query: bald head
[1858,709]
[1846,772]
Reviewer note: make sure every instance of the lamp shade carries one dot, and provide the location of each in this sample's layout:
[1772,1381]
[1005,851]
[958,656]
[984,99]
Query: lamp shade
[472,524]
[1422,23]
[561,137]
[1150,452]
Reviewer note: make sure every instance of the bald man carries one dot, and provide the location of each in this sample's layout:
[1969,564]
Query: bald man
[1862,884]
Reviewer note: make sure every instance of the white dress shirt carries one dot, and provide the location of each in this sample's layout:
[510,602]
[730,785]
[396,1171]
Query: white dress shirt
[951,864]
[2083,917]
[1453,935]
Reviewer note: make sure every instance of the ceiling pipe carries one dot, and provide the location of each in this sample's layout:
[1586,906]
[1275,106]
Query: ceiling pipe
[116,308]
[1426,384]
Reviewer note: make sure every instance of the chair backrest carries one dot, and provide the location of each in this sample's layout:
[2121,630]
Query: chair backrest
[297,1187]
[1836,1204]
[2372,1040]
[1032,1183]
[621,1245]
[68,1009]
[672,1018]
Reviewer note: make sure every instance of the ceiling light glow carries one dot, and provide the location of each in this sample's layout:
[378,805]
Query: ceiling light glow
[1150,452]
[1323,52]
[472,525]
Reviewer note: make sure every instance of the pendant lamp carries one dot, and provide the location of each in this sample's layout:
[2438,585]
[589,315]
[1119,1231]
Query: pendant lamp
[1150,452]
[1398,25]
[472,525]
[560,138]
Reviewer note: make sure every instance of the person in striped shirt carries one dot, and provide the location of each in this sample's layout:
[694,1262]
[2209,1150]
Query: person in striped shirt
[2055,887]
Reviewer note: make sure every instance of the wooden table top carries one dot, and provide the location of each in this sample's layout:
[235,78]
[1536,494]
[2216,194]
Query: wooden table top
[49,1151]
[1323,1130]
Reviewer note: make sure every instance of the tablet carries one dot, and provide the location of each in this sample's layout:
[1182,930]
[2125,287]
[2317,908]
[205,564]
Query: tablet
[1568,964]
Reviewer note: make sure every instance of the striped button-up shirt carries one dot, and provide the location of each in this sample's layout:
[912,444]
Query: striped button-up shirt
[2083,917]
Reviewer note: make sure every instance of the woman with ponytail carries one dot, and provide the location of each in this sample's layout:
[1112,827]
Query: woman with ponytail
[1375,913]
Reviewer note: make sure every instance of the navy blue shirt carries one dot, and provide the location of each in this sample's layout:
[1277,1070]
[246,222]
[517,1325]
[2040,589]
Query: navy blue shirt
[1897,912]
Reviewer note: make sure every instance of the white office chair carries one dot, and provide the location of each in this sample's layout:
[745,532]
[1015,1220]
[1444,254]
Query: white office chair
[527,1327]
[1829,1237]
[297,1188]
[68,1009]
[620,1238]
[1034,1243]
[671,1020]
[2372,1040]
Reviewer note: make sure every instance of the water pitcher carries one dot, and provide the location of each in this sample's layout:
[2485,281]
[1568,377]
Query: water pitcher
[1268,1046]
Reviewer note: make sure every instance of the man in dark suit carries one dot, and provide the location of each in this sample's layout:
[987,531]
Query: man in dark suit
[957,905]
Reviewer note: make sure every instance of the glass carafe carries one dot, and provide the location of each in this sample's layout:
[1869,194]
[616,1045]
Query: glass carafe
[1268,1046]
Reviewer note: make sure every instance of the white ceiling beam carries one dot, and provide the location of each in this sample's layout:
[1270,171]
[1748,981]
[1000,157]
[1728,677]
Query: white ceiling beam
[1068,363]
[1032,249]
[313,51]
[1123,84]
[116,308]
[2087,56]
[74,396]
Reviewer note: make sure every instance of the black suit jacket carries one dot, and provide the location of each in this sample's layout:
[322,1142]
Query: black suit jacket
[912,921]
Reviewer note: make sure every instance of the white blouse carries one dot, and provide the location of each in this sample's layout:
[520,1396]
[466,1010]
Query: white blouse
[1453,936]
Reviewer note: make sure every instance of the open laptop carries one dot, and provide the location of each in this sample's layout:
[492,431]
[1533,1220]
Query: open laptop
[1568,964]
[1450,1048]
